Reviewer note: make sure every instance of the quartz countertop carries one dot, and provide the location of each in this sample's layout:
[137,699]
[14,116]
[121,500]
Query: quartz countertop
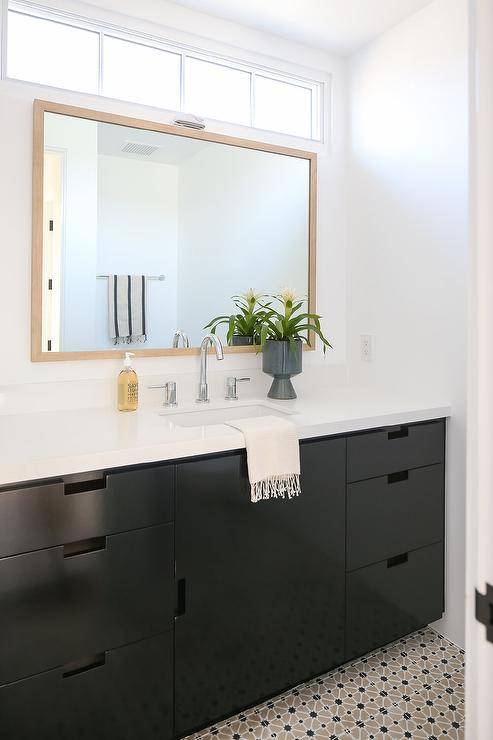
[47,444]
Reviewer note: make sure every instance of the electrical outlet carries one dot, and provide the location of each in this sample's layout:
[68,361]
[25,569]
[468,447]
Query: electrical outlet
[366,348]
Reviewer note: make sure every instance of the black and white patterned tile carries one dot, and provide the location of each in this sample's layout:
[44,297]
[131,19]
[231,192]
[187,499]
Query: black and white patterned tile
[413,688]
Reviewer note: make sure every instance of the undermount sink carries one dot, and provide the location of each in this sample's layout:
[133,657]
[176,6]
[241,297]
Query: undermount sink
[208,416]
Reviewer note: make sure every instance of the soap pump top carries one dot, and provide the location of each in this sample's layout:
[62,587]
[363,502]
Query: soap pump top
[127,362]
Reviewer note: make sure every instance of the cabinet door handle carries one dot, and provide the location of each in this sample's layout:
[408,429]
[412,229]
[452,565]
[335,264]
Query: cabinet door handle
[181,588]
[84,546]
[398,560]
[397,477]
[398,433]
[81,666]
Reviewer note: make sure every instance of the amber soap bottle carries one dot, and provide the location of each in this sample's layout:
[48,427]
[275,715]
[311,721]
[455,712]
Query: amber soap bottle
[128,386]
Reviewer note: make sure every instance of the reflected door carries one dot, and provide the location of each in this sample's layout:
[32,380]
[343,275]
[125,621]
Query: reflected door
[54,162]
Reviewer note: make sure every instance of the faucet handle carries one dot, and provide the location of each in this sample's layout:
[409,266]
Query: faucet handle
[169,393]
[231,387]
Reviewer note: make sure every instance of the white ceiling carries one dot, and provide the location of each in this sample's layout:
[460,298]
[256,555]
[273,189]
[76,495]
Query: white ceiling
[341,26]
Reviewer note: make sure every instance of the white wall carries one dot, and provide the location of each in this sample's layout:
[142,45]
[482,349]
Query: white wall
[407,258]
[15,181]
[138,234]
[243,223]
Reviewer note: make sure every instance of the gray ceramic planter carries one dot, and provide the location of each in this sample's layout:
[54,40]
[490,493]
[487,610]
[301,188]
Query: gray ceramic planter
[239,341]
[280,361]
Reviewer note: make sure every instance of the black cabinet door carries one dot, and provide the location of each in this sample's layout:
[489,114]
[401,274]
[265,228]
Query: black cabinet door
[60,511]
[124,694]
[392,449]
[392,598]
[261,586]
[62,604]
[390,515]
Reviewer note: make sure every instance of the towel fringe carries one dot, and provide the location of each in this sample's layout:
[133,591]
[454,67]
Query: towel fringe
[130,340]
[277,486]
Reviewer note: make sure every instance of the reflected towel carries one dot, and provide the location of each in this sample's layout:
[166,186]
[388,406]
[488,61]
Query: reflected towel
[273,455]
[127,308]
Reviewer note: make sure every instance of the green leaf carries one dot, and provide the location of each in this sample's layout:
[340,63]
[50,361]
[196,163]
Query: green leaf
[319,333]
[264,334]
[218,320]
[292,345]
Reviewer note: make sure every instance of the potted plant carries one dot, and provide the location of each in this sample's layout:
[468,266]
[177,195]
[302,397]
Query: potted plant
[282,333]
[243,326]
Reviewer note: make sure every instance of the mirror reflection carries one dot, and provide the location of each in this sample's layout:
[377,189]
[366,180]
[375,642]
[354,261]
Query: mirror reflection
[147,235]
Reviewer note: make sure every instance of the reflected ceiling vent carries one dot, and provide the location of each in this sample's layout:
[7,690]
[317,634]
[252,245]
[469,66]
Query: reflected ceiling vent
[135,147]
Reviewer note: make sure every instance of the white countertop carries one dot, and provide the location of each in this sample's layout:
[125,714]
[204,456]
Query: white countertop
[53,443]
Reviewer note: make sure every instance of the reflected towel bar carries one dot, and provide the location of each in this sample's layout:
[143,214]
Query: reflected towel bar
[149,277]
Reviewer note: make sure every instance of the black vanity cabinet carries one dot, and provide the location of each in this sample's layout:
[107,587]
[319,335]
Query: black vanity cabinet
[261,585]
[149,602]
[87,607]
[395,533]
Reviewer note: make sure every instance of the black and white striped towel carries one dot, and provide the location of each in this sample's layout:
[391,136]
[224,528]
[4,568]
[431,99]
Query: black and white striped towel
[127,308]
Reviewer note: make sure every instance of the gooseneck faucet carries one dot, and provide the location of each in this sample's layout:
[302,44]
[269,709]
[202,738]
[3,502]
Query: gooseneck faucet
[207,341]
[179,334]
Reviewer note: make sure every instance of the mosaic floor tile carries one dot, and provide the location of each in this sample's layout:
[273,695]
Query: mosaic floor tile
[412,689]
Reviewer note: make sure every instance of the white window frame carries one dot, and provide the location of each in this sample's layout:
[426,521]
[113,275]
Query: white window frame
[26,7]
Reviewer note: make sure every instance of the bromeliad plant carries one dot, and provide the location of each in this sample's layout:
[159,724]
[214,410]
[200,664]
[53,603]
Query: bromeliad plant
[286,324]
[248,319]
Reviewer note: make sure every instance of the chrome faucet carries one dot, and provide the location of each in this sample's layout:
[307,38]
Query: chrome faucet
[207,341]
[179,334]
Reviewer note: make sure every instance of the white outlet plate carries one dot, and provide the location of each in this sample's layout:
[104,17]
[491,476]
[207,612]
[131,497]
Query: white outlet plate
[366,346]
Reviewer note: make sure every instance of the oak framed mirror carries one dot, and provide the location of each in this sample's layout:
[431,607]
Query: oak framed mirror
[142,232]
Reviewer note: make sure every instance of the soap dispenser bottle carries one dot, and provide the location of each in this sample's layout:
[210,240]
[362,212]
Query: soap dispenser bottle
[128,386]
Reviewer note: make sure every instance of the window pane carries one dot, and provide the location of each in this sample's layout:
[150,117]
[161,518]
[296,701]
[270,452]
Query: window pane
[282,107]
[141,73]
[52,53]
[214,91]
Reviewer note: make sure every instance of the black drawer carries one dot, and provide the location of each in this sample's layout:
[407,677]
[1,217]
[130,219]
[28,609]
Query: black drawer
[122,694]
[393,514]
[390,599]
[66,602]
[393,449]
[85,506]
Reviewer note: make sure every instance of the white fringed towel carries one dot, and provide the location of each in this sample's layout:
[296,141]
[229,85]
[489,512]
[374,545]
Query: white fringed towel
[273,455]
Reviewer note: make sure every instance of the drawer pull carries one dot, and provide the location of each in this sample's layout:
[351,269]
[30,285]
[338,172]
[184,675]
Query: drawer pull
[84,486]
[398,433]
[397,560]
[84,546]
[181,597]
[81,666]
[398,477]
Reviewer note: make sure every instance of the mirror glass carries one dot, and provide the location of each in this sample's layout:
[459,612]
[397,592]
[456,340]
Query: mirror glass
[184,223]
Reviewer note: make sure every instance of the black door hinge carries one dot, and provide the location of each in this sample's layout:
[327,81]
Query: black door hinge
[50,284]
[51,224]
[49,345]
[484,610]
